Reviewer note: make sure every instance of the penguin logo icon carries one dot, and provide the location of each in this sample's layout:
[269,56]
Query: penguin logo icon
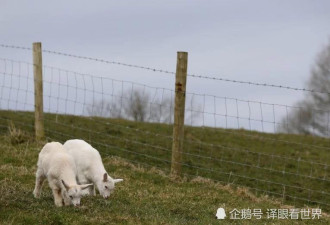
[221,214]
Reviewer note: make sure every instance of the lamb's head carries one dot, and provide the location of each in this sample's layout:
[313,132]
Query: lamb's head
[108,185]
[74,193]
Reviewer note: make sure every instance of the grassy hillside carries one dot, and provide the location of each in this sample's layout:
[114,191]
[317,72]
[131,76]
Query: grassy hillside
[268,164]
[147,195]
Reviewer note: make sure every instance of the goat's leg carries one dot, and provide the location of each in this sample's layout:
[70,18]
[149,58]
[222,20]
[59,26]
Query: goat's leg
[40,178]
[58,197]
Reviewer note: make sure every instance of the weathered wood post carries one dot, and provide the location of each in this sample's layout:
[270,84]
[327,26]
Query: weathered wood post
[38,92]
[179,108]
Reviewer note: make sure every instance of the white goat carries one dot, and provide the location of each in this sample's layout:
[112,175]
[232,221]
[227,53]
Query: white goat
[55,164]
[90,167]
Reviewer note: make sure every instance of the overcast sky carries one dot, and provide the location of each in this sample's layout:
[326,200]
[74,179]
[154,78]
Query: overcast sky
[255,40]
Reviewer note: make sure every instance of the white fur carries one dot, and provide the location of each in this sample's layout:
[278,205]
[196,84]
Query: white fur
[55,164]
[90,167]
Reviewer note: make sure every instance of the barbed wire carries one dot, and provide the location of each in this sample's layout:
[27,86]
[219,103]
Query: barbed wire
[169,89]
[257,84]
[169,72]
[204,158]
[90,58]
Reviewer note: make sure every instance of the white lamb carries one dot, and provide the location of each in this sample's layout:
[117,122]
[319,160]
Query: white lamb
[55,164]
[90,167]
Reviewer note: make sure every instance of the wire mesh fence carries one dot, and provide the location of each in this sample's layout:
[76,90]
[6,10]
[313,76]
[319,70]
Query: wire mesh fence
[232,141]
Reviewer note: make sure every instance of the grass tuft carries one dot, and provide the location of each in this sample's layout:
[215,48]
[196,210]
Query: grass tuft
[16,135]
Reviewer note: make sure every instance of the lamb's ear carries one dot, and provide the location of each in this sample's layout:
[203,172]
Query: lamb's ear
[84,186]
[65,185]
[117,180]
[105,177]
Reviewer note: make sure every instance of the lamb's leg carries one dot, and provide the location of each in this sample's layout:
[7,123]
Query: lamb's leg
[40,178]
[66,200]
[57,197]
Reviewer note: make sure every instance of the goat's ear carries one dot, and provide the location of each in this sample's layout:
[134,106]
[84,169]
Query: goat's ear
[105,177]
[84,186]
[65,185]
[117,180]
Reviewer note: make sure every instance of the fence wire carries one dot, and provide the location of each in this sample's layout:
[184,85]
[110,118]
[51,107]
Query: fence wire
[111,115]
[215,78]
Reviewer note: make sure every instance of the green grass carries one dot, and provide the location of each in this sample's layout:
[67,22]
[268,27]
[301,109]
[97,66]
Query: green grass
[267,164]
[147,196]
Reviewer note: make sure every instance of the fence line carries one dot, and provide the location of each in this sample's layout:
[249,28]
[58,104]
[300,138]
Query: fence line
[203,112]
[141,84]
[68,95]
[186,140]
[60,70]
[51,81]
[94,91]
[166,71]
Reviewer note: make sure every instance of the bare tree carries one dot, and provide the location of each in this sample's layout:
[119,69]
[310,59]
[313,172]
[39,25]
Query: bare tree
[162,111]
[105,108]
[135,106]
[312,113]
[139,106]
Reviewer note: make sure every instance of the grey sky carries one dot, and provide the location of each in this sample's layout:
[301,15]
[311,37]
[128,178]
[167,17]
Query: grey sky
[255,40]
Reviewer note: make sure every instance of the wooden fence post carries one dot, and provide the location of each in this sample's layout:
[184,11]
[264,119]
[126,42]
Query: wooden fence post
[179,108]
[38,92]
